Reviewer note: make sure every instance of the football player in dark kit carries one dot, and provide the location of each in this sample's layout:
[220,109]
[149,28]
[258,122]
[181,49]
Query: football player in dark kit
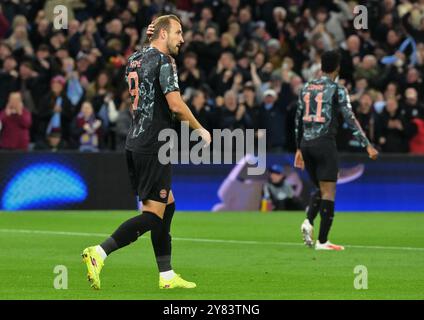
[153,84]
[320,102]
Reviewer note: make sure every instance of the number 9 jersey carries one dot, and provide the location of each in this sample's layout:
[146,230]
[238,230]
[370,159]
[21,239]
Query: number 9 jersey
[150,75]
[319,103]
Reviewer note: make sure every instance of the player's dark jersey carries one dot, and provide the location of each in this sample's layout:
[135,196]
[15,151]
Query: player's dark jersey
[320,100]
[150,75]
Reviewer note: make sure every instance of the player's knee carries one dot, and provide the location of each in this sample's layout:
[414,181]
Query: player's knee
[329,194]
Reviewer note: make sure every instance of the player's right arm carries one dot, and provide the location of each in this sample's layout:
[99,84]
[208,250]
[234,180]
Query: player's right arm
[298,129]
[183,113]
[168,79]
[353,124]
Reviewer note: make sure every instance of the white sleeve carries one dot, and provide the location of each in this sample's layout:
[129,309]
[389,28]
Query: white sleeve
[112,112]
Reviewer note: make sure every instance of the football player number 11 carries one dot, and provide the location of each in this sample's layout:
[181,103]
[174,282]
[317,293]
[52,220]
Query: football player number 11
[318,99]
[133,89]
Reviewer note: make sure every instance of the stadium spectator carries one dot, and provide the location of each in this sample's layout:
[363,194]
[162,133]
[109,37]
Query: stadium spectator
[31,84]
[367,69]
[412,107]
[249,99]
[205,21]
[190,75]
[367,119]
[123,121]
[392,134]
[231,114]
[416,144]
[227,42]
[98,89]
[101,94]
[4,23]
[386,24]
[87,129]
[40,34]
[55,110]
[246,23]
[5,51]
[351,56]
[392,91]
[221,79]
[200,109]
[279,192]
[290,88]
[413,79]
[413,112]
[52,143]
[18,40]
[44,63]
[15,123]
[333,21]
[417,30]
[273,120]
[273,50]
[234,30]
[8,78]
[279,15]
[260,34]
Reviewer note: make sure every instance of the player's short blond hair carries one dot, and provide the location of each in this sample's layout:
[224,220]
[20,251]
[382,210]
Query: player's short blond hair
[163,22]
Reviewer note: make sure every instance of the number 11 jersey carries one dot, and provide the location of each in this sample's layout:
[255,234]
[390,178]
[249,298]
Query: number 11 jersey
[319,103]
[150,75]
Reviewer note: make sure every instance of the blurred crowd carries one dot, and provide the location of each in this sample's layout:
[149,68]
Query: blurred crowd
[242,66]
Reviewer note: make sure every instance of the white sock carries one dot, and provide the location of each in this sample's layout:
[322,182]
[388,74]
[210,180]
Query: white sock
[101,252]
[167,275]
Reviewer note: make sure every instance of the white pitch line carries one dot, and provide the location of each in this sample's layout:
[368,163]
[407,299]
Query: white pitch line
[85,234]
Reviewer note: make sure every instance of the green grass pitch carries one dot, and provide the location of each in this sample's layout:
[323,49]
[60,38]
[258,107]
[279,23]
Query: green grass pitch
[229,256]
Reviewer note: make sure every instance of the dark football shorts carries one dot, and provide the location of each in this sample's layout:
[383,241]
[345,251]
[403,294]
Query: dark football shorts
[150,179]
[321,159]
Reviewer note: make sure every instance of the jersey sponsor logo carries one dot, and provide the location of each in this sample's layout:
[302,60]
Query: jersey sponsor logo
[163,193]
[135,64]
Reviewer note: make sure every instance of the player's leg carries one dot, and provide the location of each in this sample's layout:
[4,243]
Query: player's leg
[327,172]
[328,192]
[314,205]
[130,230]
[315,200]
[307,227]
[161,239]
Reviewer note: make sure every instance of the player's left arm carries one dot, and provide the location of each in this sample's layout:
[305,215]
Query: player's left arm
[352,122]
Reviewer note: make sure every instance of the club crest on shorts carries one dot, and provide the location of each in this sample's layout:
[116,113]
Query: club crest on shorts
[163,194]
